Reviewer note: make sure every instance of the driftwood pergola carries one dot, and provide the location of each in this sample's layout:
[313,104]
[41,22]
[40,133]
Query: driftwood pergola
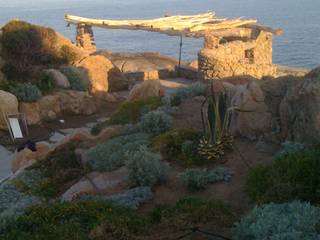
[189,26]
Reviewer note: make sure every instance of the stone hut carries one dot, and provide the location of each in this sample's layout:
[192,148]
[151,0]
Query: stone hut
[236,55]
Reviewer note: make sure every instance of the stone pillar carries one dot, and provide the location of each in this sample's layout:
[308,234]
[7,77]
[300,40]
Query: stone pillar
[85,38]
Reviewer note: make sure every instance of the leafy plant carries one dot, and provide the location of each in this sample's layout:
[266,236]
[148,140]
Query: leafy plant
[145,167]
[131,198]
[129,112]
[75,80]
[46,83]
[26,92]
[292,177]
[68,55]
[198,179]
[156,122]
[179,145]
[292,221]
[112,154]
[193,90]
[217,137]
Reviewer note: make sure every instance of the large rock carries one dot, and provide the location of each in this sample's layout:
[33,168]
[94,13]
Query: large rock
[49,107]
[8,105]
[146,89]
[254,118]
[103,75]
[31,111]
[60,79]
[105,183]
[300,111]
[26,157]
[76,102]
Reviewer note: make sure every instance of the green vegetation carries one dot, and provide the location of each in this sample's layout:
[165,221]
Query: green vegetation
[26,45]
[156,122]
[113,154]
[193,90]
[217,137]
[25,92]
[179,145]
[129,112]
[99,220]
[198,179]
[46,83]
[75,80]
[292,177]
[292,221]
[68,55]
[57,171]
[145,168]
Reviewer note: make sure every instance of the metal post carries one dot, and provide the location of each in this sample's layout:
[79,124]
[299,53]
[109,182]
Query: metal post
[180,54]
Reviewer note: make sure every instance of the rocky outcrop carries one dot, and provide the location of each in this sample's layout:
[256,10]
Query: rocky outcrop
[60,80]
[145,90]
[8,105]
[76,102]
[103,75]
[49,107]
[105,183]
[31,111]
[253,118]
[26,157]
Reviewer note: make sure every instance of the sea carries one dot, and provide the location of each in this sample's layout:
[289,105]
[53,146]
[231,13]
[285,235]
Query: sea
[300,20]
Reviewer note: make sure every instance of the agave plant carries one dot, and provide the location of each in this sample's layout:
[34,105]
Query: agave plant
[217,137]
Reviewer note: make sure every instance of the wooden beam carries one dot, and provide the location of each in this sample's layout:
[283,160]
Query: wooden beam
[277,32]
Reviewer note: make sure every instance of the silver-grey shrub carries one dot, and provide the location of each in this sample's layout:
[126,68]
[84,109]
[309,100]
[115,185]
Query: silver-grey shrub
[294,221]
[156,122]
[193,90]
[145,167]
[198,179]
[26,92]
[288,148]
[112,154]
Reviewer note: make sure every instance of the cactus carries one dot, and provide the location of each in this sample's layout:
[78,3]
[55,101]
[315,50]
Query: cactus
[217,137]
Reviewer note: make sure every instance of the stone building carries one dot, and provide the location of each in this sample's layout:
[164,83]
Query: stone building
[85,37]
[235,56]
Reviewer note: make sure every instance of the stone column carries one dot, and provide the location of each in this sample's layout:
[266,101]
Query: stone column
[85,37]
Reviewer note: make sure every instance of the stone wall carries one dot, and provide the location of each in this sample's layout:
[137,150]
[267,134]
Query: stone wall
[227,57]
[85,38]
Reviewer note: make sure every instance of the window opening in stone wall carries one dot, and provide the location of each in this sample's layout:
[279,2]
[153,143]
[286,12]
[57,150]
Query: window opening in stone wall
[249,54]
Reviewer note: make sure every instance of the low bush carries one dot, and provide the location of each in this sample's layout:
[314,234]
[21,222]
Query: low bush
[76,82]
[131,198]
[46,83]
[179,145]
[198,179]
[60,168]
[289,147]
[113,154]
[155,122]
[73,220]
[292,221]
[129,112]
[193,90]
[145,168]
[26,92]
[292,177]
[68,55]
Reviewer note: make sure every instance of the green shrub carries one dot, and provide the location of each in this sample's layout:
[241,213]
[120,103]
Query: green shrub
[113,154]
[193,90]
[131,198]
[26,92]
[292,221]
[75,80]
[73,221]
[198,179]
[156,122]
[179,145]
[68,55]
[60,168]
[25,45]
[293,177]
[46,83]
[129,112]
[145,168]
[289,147]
